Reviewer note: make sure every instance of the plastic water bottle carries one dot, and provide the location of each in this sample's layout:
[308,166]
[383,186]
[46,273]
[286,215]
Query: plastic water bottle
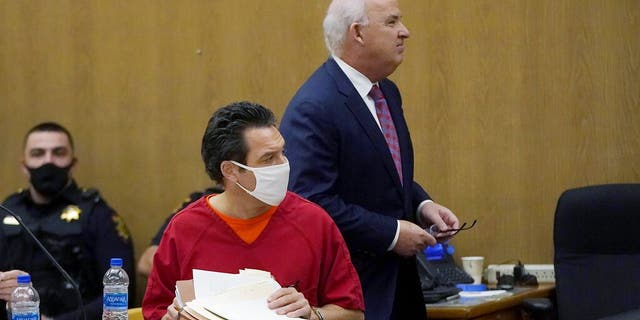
[115,299]
[25,302]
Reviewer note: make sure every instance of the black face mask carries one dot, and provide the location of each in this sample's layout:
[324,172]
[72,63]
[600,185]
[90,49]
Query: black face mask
[49,179]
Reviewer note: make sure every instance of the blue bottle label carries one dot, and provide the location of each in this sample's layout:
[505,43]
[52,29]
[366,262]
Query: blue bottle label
[115,301]
[26,316]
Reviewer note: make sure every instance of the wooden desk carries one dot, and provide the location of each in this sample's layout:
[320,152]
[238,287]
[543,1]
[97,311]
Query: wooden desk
[507,307]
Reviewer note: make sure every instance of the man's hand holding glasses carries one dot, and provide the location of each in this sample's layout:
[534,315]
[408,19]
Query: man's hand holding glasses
[448,233]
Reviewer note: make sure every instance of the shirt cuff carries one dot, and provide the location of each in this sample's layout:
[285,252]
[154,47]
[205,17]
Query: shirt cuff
[395,239]
[418,215]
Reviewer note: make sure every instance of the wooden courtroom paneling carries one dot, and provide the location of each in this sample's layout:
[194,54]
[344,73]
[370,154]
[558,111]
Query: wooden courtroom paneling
[509,102]
[517,101]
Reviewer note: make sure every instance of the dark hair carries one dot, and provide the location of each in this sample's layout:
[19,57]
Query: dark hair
[49,127]
[224,137]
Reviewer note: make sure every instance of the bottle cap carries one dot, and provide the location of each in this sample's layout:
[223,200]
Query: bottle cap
[116,262]
[24,278]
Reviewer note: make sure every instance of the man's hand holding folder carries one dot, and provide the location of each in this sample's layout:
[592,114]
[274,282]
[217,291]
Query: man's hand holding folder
[216,295]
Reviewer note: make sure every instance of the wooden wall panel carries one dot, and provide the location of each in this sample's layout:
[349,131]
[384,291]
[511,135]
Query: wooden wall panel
[512,102]
[509,102]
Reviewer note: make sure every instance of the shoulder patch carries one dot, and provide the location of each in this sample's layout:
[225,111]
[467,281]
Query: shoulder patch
[121,227]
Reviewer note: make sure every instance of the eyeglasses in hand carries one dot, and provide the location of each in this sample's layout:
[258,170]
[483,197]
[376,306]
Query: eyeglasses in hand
[433,230]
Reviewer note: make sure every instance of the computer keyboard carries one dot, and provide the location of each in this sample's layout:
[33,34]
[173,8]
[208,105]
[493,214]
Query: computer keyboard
[452,272]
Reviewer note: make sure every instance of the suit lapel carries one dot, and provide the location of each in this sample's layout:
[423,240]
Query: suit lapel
[362,115]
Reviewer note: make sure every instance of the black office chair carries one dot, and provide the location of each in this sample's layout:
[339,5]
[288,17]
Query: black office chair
[597,251]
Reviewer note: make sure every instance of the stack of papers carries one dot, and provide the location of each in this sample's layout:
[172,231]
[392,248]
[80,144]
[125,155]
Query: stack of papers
[482,294]
[227,296]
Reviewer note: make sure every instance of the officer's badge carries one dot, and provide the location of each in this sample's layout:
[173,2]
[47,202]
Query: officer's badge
[70,213]
[9,220]
[121,227]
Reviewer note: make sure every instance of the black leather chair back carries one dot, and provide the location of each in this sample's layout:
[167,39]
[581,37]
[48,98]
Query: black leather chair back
[597,251]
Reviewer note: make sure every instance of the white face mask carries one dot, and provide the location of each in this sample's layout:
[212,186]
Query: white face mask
[271,182]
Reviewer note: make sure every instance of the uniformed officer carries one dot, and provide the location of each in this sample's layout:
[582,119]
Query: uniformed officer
[76,225]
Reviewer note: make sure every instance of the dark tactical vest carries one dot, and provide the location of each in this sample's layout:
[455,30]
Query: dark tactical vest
[59,226]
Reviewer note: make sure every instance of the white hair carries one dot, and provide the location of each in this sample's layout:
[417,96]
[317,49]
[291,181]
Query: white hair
[340,15]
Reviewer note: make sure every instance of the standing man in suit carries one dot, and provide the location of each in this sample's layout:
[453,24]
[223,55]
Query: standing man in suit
[350,151]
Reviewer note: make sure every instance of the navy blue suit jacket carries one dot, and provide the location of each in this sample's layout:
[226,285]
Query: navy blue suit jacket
[340,160]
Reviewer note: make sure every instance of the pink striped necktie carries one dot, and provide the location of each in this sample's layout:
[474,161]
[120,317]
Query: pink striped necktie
[388,128]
